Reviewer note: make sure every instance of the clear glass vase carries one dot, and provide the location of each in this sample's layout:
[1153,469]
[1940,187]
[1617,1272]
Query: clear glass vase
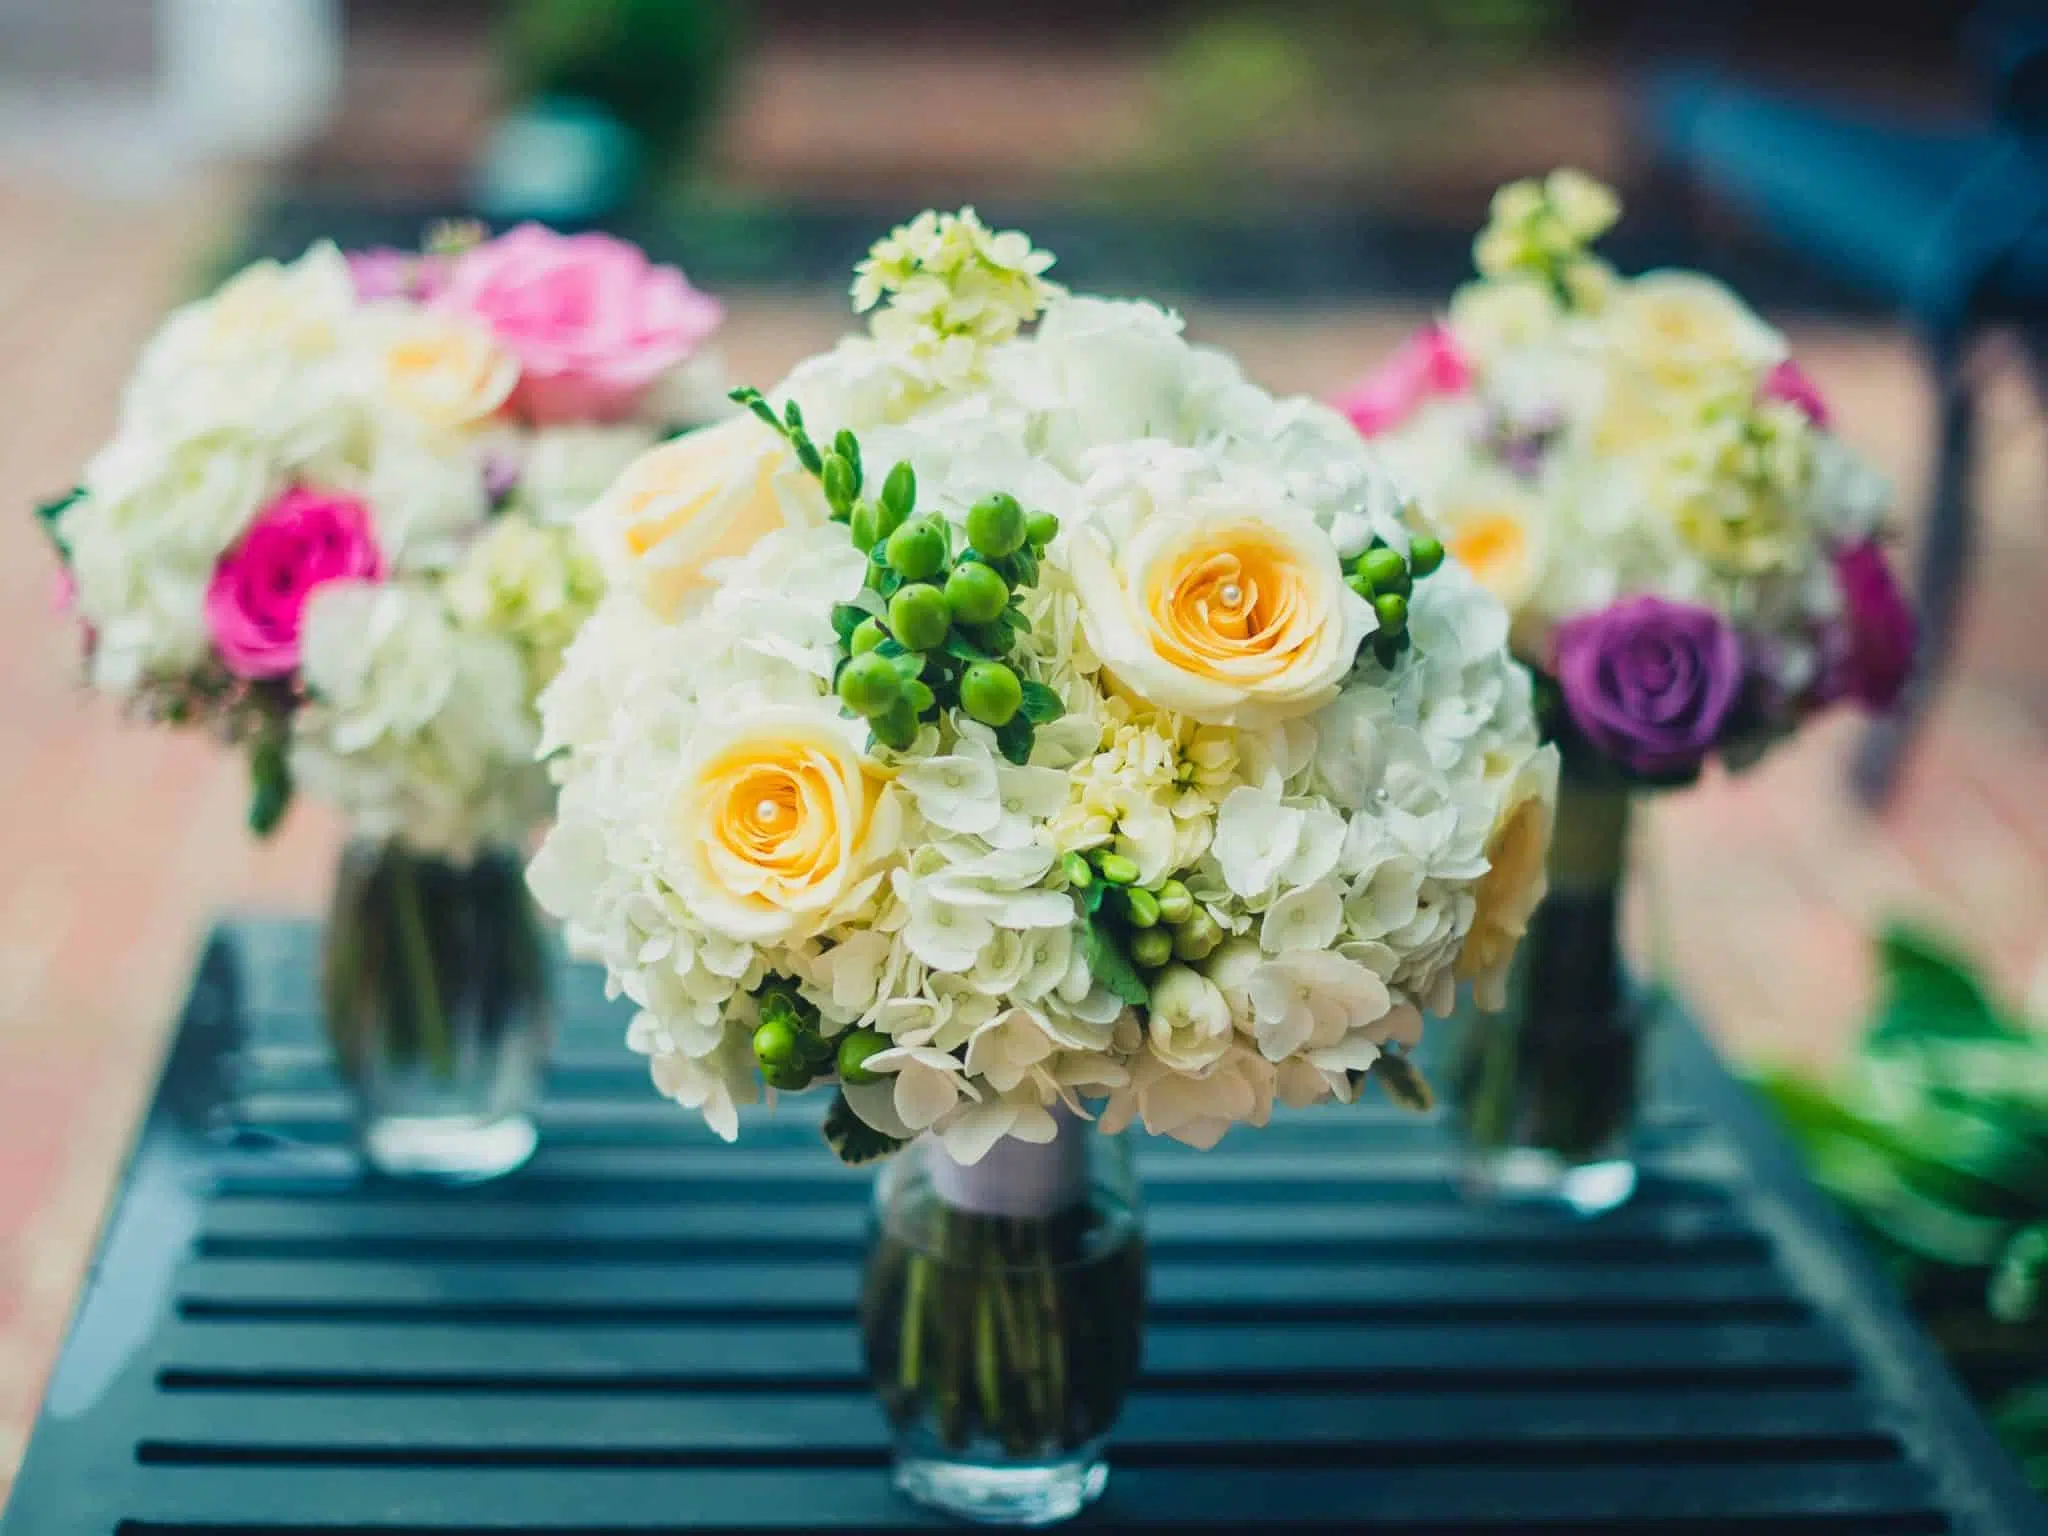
[1002,1312]
[434,980]
[1543,1094]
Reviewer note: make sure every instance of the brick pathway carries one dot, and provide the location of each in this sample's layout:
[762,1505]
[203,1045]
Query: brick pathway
[118,843]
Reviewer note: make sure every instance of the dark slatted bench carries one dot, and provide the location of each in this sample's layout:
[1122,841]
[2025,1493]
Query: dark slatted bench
[647,1331]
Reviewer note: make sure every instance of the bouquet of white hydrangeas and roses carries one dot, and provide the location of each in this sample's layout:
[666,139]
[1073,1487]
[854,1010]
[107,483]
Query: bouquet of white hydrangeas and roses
[990,725]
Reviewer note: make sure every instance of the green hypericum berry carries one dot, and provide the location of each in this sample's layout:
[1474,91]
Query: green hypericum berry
[1361,585]
[991,693]
[1142,906]
[1151,948]
[866,636]
[917,614]
[1076,869]
[976,594]
[1424,556]
[869,685]
[1383,567]
[1392,609]
[1196,938]
[775,1044]
[1041,528]
[897,728]
[996,525]
[855,1047]
[864,526]
[916,550]
[1116,869]
[1175,904]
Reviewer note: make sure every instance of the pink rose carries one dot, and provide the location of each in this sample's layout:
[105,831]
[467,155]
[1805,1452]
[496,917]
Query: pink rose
[1426,364]
[593,323]
[1788,382]
[257,599]
[1870,655]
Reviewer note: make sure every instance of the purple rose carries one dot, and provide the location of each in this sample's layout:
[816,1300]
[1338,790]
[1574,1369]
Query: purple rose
[1870,655]
[1650,683]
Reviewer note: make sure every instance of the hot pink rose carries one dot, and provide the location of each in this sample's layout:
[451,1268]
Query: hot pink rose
[1871,654]
[1426,364]
[257,599]
[1788,382]
[593,323]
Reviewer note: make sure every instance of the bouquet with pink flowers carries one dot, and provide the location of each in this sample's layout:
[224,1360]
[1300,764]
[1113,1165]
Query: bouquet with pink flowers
[333,522]
[1640,471]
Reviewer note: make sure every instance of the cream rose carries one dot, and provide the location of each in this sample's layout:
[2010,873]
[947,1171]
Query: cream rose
[1228,614]
[1687,331]
[781,826]
[1493,526]
[443,369]
[1517,853]
[708,495]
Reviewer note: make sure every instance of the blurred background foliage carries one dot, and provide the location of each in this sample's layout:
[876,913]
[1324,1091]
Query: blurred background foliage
[1935,1139]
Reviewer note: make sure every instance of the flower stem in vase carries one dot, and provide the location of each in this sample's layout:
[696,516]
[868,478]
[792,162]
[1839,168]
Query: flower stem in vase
[429,1038]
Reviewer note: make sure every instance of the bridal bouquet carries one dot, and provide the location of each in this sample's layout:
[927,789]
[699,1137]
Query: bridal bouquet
[333,523]
[1638,469]
[1032,745]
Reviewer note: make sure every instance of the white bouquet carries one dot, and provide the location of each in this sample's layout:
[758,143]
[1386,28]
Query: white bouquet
[990,720]
[333,521]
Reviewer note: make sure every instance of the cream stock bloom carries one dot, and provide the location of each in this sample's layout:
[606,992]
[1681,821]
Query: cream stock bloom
[443,369]
[780,823]
[1686,331]
[1227,613]
[706,496]
[1517,851]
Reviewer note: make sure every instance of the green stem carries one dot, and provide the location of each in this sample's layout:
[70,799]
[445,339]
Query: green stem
[438,1046]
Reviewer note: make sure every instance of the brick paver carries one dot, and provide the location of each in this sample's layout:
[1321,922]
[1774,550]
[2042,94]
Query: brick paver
[119,842]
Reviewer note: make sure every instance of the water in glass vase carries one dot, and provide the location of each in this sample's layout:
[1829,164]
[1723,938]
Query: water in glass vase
[1002,1333]
[435,986]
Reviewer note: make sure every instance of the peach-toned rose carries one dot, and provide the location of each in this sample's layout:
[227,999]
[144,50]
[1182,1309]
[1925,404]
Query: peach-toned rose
[1494,528]
[705,496]
[781,826]
[1517,852]
[444,370]
[1230,614]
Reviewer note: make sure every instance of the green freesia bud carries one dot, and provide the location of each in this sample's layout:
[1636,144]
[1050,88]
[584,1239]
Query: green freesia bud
[1425,555]
[1175,904]
[899,491]
[976,594]
[1151,948]
[841,485]
[1142,906]
[918,616]
[869,685]
[1116,869]
[916,550]
[1197,937]
[1076,869]
[855,1047]
[887,521]
[996,525]
[864,525]
[991,693]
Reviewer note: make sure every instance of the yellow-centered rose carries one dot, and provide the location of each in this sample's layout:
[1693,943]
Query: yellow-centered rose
[1493,526]
[1228,614]
[1517,875]
[781,826]
[1686,332]
[444,370]
[708,495]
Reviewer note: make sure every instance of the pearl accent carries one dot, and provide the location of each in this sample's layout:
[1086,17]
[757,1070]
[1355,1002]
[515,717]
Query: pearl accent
[768,813]
[1232,594]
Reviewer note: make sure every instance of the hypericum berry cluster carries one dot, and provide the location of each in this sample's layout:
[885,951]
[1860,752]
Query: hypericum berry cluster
[1386,578]
[1151,925]
[932,626]
[794,1051]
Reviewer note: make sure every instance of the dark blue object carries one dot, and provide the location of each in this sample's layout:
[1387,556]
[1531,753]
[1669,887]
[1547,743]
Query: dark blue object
[645,1331]
[1946,225]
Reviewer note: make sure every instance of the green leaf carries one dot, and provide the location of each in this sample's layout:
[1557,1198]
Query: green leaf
[1402,1081]
[890,647]
[270,782]
[1109,965]
[1929,990]
[1016,739]
[793,413]
[959,645]
[846,618]
[852,1139]
[2019,1286]
[908,664]
[48,513]
[1042,705]
[1015,619]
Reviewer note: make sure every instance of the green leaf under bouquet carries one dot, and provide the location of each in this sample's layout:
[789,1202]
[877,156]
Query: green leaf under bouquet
[1936,1140]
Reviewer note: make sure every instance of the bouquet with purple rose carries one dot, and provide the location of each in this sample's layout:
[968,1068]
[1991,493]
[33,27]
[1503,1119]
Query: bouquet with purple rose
[1691,557]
